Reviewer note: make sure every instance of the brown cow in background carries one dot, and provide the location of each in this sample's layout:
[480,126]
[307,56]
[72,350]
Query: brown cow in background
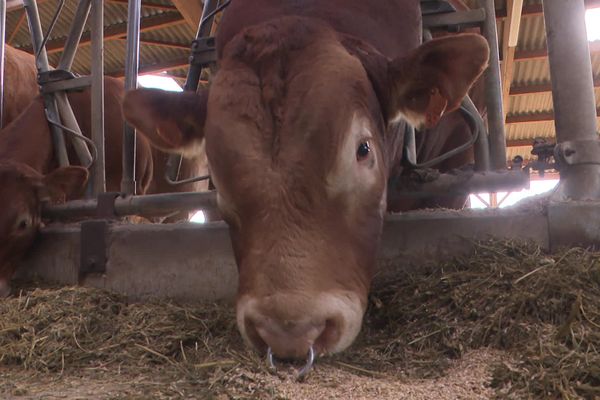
[29,174]
[20,82]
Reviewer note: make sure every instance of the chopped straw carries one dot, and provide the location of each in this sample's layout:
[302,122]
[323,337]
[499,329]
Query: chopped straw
[543,309]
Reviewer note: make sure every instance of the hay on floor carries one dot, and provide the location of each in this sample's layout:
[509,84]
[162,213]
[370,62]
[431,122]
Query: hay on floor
[542,308]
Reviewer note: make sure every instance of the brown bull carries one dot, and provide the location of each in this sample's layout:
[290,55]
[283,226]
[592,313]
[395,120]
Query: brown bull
[20,83]
[30,176]
[302,125]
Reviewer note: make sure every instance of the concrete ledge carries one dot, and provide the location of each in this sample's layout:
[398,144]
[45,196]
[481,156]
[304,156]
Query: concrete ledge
[192,261]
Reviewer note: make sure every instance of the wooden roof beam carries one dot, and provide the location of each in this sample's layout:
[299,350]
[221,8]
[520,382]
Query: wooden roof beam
[526,142]
[170,65]
[147,4]
[535,10]
[118,30]
[535,117]
[510,39]
[191,10]
[540,88]
[540,54]
[160,43]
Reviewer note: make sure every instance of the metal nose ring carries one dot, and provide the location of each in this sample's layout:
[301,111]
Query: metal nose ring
[303,371]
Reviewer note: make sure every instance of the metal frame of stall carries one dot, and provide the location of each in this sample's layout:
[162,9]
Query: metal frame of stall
[577,151]
[489,172]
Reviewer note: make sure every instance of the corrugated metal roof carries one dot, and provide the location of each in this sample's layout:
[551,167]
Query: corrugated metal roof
[176,38]
[115,17]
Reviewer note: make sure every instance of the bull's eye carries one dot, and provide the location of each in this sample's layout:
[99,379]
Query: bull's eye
[363,151]
[23,224]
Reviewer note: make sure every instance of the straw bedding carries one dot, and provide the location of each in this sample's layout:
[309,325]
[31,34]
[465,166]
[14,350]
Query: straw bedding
[508,321]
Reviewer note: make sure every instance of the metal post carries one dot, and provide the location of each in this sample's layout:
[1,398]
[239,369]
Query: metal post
[97,28]
[70,48]
[193,78]
[481,148]
[2,39]
[128,183]
[574,103]
[35,27]
[68,117]
[493,90]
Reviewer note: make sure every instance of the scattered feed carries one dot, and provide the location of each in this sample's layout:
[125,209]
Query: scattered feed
[508,321]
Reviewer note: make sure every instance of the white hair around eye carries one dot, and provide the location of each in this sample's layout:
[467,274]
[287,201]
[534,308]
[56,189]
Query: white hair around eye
[355,169]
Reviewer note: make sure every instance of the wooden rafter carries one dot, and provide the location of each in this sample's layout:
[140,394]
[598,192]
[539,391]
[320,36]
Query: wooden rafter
[535,10]
[540,54]
[118,30]
[191,10]
[509,44]
[535,117]
[524,142]
[17,28]
[169,65]
[147,4]
[161,43]
[540,88]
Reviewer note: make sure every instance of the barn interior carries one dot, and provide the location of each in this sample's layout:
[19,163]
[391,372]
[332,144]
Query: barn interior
[204,269]
[167,29]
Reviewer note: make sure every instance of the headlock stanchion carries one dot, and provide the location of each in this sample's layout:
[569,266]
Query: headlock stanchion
[41,59]
[97,28]
[128,184]
[54,82]
[203,53]
[493,90]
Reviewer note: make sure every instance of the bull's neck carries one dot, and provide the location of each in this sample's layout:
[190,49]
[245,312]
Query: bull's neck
[27,139]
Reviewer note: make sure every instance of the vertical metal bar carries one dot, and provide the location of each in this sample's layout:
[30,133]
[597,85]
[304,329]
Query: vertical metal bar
[193,77]
[128,184]
[69,120]
[77,26]
[97,30]
[2,40]
[493,90]
[572,92]
[35,28]
[204,28]
[481,148]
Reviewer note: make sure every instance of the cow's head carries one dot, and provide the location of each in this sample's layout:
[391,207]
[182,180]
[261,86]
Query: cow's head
[22,191]
[295,128]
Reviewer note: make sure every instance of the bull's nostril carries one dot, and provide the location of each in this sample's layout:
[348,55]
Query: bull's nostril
[329,335]
[253,336]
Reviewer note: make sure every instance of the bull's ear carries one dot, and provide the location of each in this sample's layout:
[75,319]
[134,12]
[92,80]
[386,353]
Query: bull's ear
[171,121]
[63,183]
[435,77]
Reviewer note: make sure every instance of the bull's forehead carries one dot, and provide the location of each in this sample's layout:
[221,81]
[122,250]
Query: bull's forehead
[292,117]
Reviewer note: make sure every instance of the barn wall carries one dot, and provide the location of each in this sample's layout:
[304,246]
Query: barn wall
[195,262]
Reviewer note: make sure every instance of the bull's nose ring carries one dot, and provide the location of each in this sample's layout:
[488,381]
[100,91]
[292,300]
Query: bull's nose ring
[303,371]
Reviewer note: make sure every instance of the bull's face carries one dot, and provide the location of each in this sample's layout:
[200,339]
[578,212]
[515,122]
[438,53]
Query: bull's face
[295,127]
[21,193]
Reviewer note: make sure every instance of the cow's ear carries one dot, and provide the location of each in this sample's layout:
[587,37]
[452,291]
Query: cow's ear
[171,121]
[62,184]
[434,78]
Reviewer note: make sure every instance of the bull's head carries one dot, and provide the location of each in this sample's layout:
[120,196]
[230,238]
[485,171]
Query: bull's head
[22,192]
[295,123]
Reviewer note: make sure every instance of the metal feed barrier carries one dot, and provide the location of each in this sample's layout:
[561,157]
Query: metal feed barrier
[578,153]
